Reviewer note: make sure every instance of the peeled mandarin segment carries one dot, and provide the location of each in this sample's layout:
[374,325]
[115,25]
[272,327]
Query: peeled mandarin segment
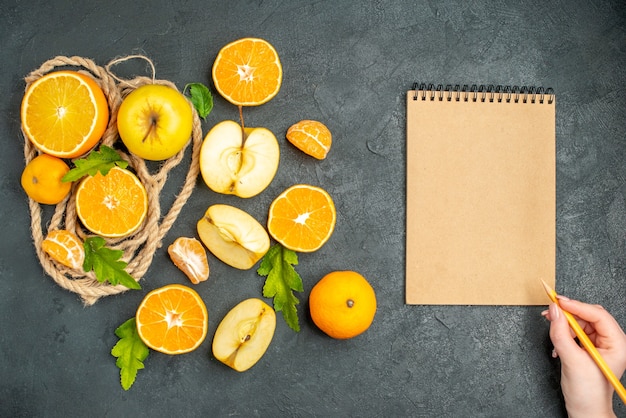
[189,256]
[302,218]
[64,113]
[114,205]
[311,137]
[342,304]
[172,319]
[247,72]
[64,247]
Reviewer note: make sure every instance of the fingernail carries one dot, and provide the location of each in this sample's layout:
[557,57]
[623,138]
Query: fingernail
[561,297]
[554,311]
[544,313]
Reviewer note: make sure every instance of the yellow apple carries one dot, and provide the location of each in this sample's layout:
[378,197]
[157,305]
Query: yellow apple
[238,162]
[233,236]
[155,121]
[244,334]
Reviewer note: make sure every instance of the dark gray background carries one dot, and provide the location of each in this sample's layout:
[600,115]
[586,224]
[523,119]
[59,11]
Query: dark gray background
[349,65]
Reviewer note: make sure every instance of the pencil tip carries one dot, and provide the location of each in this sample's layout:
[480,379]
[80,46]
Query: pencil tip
[551,292]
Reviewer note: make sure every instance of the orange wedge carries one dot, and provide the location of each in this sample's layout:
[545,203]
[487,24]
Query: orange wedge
[172,319]
[311,137]
[302,218]
[114,205]
[64,113]
[64,247]
[189,256]
[247,72]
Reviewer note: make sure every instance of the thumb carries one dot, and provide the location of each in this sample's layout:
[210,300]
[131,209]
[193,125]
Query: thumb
[561,334]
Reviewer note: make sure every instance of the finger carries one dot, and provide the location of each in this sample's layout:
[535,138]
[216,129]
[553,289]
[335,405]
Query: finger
[561,335]
[593,317]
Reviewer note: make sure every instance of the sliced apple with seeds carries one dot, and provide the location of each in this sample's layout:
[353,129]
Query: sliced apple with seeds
[239,162]
[244,334]
[233,236]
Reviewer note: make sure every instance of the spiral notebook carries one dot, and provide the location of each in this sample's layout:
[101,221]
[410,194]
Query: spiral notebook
[481,195]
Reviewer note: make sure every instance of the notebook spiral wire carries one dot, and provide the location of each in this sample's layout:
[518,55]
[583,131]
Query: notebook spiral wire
[482,93]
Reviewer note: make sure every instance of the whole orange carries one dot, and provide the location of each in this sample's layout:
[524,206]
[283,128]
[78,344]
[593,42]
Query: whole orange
[342,304]
[41,179]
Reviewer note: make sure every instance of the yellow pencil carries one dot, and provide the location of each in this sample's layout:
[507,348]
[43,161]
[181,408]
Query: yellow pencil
[588,345]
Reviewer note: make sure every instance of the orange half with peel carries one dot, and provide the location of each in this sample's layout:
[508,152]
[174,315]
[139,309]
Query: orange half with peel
[172,319]
[113,205]
[302,218]
[64,113]
[247,72]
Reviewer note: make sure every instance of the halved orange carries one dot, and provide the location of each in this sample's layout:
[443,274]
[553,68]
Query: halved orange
[172,319]
[311,137]
[64,247]
[114,205]
[189,255]
[247,72]
[302,218]
[64,113]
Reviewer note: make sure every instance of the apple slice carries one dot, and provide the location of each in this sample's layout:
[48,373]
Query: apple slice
[244,334]
[233,236]
[233,164]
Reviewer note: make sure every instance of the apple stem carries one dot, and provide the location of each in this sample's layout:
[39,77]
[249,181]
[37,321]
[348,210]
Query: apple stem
[243,130]
[154,121]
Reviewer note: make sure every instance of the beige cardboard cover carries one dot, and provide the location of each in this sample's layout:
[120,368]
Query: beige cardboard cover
[481,201]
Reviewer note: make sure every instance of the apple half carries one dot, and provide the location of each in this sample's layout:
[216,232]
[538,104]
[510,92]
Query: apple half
[233,236]
[239,162]
[244,334]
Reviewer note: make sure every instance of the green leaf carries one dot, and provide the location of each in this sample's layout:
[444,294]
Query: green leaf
[103,161]
[201,98]
[282,279]
[106,263]
[130,351]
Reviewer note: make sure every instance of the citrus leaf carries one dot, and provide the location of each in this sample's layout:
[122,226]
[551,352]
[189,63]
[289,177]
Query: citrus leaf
[201,98]
[281,280]
[106,263]
[130,351]
[98,161]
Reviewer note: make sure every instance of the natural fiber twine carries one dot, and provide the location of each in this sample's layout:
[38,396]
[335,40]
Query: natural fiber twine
[140,247]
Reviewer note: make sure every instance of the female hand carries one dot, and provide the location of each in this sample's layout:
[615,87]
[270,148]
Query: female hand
[585,389]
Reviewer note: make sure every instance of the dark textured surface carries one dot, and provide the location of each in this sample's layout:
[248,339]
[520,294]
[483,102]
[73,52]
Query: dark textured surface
[349,65]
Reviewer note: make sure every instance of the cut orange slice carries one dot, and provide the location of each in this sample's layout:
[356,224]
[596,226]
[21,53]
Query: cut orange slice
[172,319]
[302,218]
[311,137]
[114,205]
[189,256]
[64,113]
[64,247]
[247,72]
